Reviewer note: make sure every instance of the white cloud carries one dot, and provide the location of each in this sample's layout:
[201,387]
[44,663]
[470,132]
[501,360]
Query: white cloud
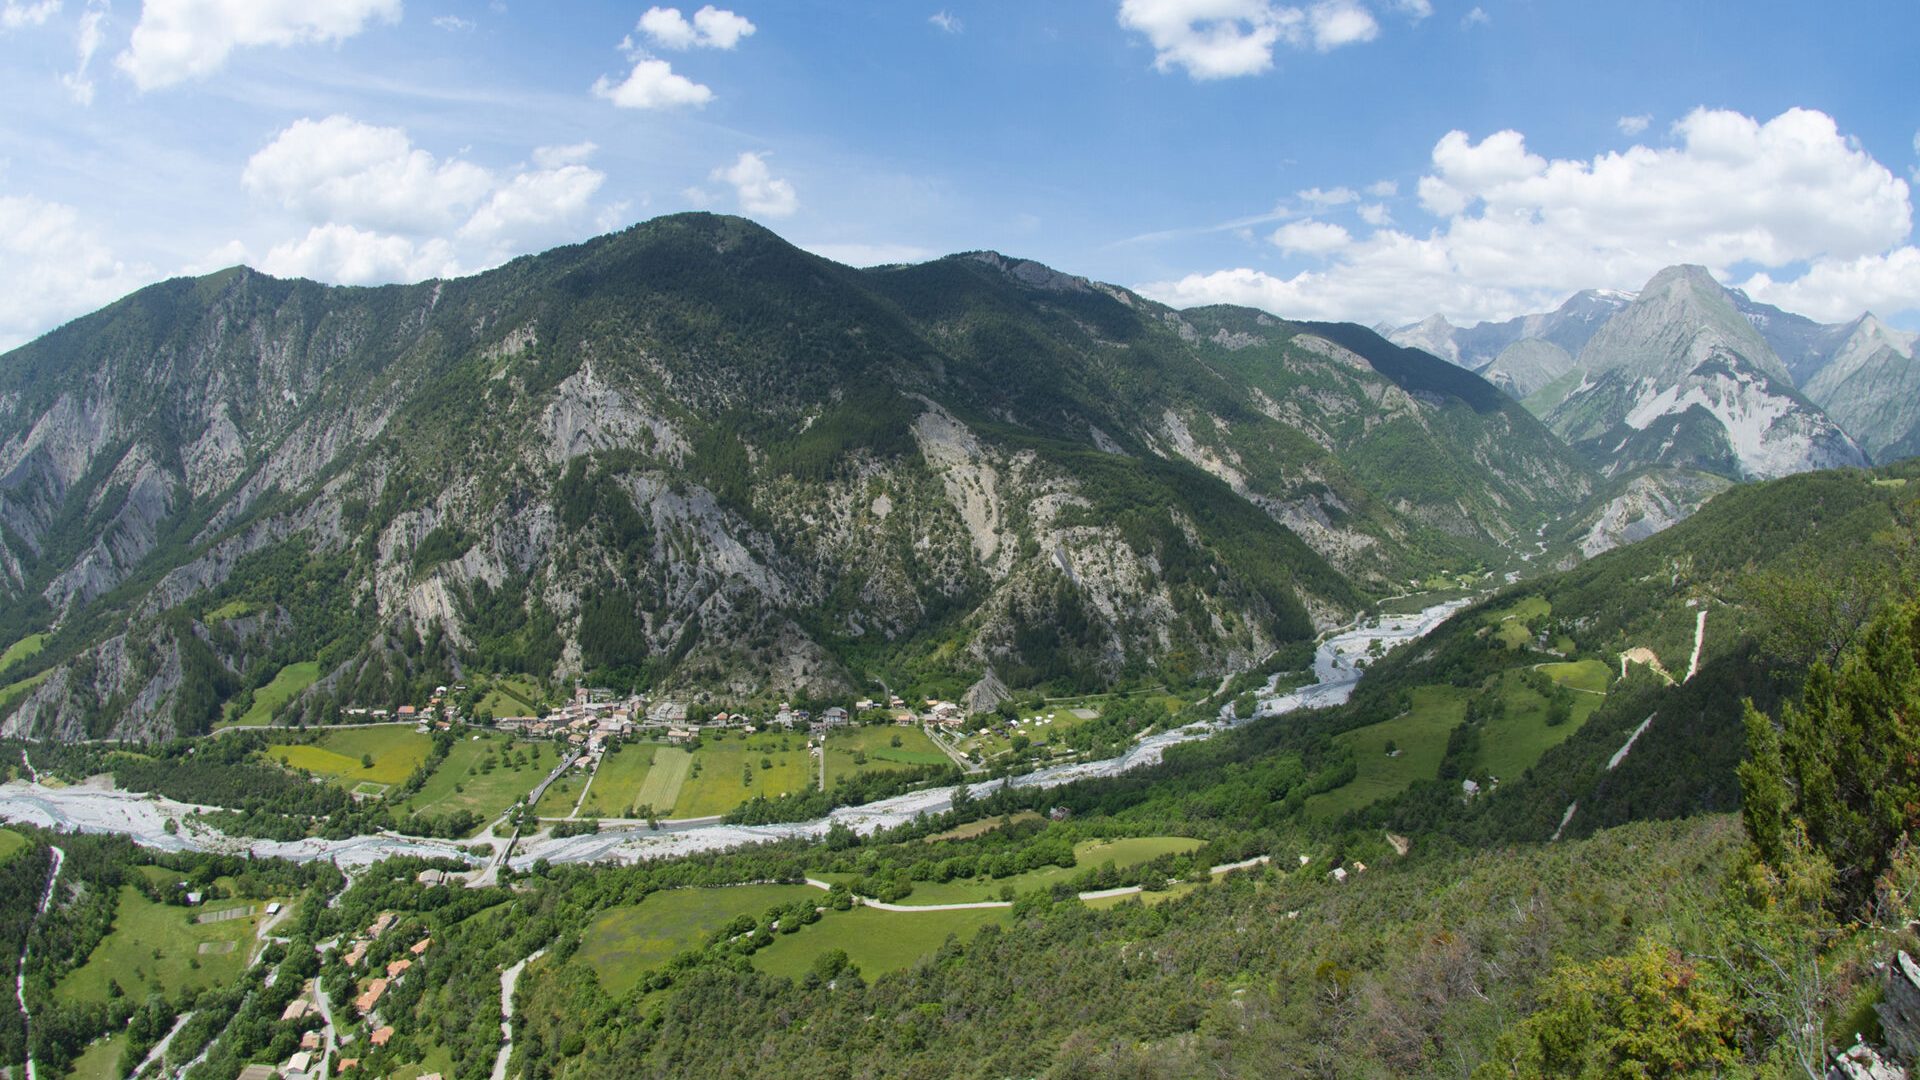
[758,190]
[15,14]
[345,255]
[652,85]
[1341,22]
[1415,9]
[382,209]
[53,266]
[86,42]
[946,21]
[1311,237]
[177,40]
[1221,39]
[1634,125]
[341,170]
[1476,17]
[1339,196]
[527,207]
[1833,290]
[698,197]
[1375,214]
[855,254]
[552,157]
[711,28]
[1214,39]
[453,22]
[1519,232]
[1383,189]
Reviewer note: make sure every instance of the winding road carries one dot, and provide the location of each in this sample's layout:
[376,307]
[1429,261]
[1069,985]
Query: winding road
[20,978]
[509,979]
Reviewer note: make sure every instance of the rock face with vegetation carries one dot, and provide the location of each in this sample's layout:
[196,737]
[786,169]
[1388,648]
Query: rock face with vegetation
[693,458]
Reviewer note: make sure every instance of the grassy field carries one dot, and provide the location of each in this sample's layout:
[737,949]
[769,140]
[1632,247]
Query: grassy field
[11,844]
[876,941]
[100,1060]
[465,780]
[154,947]
[622,776]
[232,609]
[1088,854]
[1511,742]
[624,943]
[715,783]
[1421,736]
[15,691]
[511,696]
[1512,625]
[24,649]
[875,744]
[396,750]
[661,789]
[1591,676]
[980,828]
[558,800]
[287,682]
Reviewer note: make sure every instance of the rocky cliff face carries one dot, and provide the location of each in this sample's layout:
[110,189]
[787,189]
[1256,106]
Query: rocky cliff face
[692,458]
[1681,378]
[1871,387]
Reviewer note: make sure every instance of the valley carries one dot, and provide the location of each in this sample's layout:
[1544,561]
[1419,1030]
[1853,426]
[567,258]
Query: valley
[587,677]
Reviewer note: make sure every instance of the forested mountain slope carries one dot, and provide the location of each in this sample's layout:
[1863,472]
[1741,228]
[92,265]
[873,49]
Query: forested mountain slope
[693,458]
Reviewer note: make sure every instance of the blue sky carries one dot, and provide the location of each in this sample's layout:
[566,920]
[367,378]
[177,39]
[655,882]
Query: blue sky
[1375,160]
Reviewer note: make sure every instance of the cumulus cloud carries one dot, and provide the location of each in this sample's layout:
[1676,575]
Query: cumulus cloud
[15,14]
[345,255]
[710,28]
[652,84]
[383,209]
[1375,214]
[946,21]
[758,190]
[453,22]
[1383,189]
[1634,125]
[1476,17]
[177,40]
[1833,290]
[1519,232]
[86,42]
[1222,39]
[1341,22]
[53,266]
[1311,237]
[341,170]
[1415,9]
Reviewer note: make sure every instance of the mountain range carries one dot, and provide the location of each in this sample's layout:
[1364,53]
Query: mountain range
[691,458]
[1605,362]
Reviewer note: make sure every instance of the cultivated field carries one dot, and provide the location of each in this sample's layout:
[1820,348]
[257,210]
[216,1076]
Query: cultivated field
[396,749]
[726,771]
[466,780]
[876,941]
[101,1059]
[875,749]
[157,948]
[624,943]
